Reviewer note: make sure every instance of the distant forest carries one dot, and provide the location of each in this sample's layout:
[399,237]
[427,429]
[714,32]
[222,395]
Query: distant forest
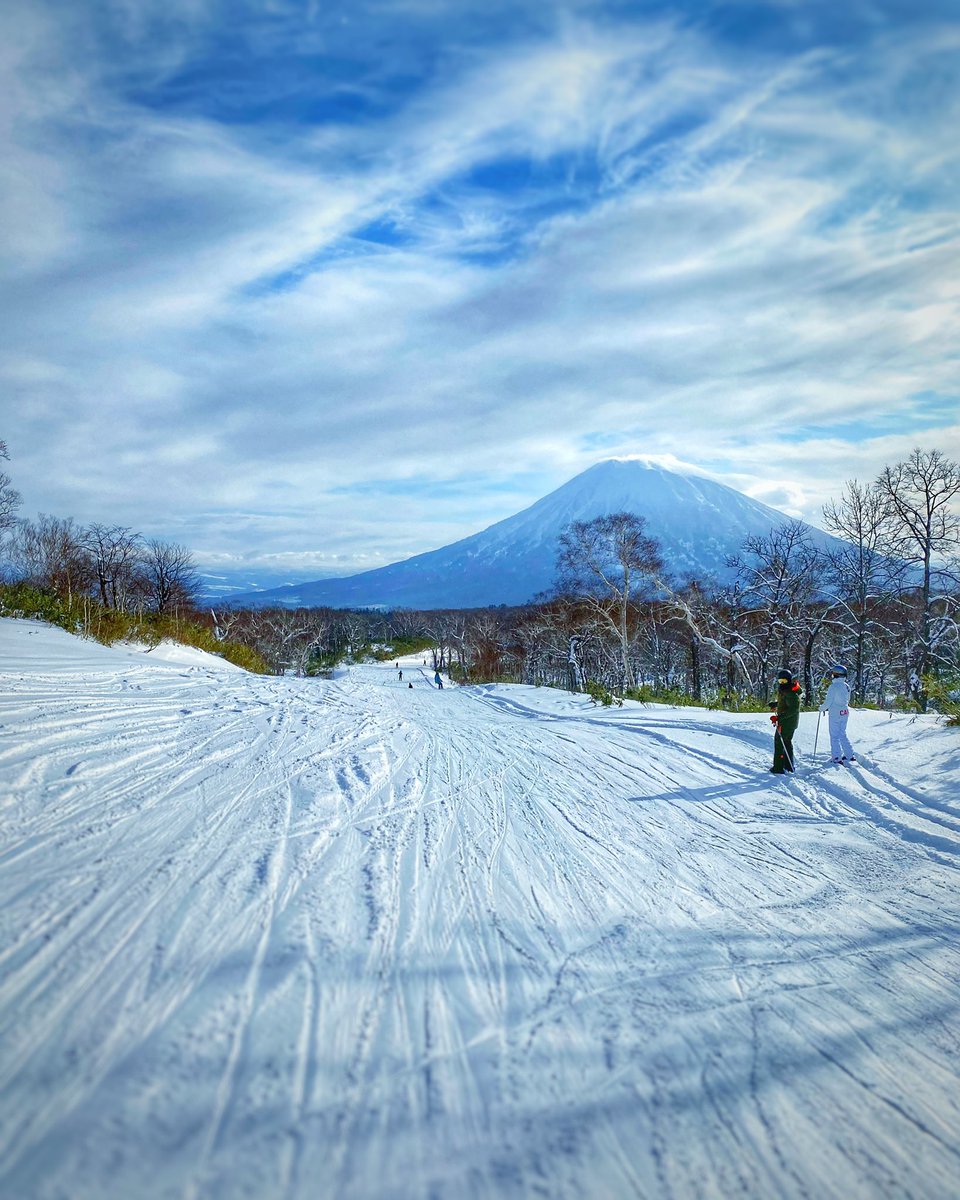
[885,605]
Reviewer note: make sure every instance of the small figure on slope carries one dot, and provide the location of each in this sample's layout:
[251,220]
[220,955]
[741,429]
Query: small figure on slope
[437,680]
[837,703]
[785,720]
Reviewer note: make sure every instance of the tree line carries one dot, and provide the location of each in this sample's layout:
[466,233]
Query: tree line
[110,582]
[121,569]
[884,602]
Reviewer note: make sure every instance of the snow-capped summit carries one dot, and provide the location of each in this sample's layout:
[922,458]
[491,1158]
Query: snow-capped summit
[698,522]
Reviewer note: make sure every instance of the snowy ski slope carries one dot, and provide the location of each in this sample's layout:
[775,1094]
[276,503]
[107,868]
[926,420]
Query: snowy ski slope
[277,938]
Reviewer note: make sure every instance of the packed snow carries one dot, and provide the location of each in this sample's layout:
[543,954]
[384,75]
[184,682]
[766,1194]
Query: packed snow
[282,938]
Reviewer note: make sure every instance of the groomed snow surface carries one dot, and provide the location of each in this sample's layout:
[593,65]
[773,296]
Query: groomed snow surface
[291,938]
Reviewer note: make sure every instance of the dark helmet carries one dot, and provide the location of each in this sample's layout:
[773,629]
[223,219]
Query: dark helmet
[838,671]
[784,678]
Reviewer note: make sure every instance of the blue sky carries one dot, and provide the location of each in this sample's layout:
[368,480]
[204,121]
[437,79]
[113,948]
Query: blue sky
[311,287]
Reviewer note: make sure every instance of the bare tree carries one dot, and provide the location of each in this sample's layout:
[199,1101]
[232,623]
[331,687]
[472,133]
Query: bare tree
[861,578]
[717,627]
[353,631]
[308,638]
[481,644]
[604,562]
[169,574]
[443,628]
[9,496]
[537,643]
[49,553]
[780,576]
[561,638]
[921,524]
[116,555]
[287,638]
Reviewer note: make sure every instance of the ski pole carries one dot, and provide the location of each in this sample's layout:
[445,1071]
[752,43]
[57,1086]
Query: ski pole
[817,734]
[786,752]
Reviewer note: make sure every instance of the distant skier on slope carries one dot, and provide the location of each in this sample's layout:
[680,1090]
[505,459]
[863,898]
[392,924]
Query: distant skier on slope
[785,719]
[837,703]
[437,680]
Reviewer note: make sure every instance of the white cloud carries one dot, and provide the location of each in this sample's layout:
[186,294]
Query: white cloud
[766,254]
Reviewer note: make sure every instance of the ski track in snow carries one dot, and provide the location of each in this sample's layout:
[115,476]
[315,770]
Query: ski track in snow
[290,938]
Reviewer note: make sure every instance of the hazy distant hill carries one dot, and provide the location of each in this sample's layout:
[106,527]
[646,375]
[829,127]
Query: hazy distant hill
[697,521]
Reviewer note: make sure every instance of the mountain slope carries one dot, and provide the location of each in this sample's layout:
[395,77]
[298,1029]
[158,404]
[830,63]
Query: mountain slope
[698,522]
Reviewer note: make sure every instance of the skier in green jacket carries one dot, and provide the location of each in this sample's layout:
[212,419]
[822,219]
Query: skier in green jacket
[785,719]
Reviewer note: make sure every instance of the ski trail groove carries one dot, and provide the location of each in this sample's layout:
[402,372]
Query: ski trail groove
[346,940]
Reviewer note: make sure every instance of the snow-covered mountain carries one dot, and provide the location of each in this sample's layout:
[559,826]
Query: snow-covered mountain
[698,522]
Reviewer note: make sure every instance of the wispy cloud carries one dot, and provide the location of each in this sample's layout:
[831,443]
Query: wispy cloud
[255,261]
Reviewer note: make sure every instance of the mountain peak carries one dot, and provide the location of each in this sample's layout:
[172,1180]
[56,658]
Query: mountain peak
[699,522]
[650,462]
[642,462]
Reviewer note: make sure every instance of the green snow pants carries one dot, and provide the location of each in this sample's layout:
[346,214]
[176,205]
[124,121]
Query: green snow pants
[783,758]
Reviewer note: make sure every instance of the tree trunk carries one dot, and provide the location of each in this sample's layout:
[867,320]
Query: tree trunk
[695,676]
[628,679]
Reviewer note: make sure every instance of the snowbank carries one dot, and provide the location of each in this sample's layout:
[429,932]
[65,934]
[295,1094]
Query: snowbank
[37,644]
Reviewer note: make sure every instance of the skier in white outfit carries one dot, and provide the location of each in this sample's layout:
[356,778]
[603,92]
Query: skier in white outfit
[837,703]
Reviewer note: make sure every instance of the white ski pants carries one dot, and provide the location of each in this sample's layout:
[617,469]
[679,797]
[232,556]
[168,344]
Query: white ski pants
[839,742]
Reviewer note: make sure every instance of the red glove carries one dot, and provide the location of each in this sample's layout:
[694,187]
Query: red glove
[773,718]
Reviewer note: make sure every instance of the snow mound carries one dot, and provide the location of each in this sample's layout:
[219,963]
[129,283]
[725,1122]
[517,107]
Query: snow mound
[35,644]
[178,654]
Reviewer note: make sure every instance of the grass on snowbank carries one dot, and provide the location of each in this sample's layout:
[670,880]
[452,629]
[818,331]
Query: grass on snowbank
[87,618]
